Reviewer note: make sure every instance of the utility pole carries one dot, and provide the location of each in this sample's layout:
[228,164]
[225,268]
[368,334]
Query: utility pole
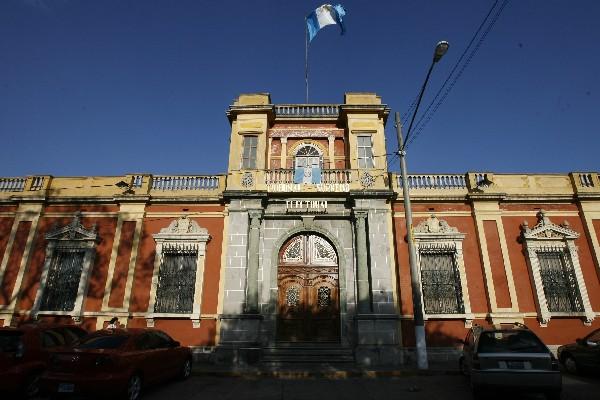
[415,272]
[415,275]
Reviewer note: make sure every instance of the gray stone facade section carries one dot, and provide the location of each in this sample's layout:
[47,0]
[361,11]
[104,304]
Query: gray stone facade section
[374,333]
[382,286]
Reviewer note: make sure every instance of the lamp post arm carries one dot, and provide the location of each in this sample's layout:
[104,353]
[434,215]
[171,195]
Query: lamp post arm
[412,120]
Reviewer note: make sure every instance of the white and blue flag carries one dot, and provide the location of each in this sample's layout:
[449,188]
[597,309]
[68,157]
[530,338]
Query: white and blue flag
[323,16]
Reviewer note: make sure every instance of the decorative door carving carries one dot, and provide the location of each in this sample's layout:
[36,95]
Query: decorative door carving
[308,302]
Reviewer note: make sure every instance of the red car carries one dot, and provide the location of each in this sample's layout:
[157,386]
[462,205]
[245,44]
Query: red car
[25,352]
[117,362]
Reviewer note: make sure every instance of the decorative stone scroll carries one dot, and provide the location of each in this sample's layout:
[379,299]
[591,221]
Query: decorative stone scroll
[367,180]
[547,238]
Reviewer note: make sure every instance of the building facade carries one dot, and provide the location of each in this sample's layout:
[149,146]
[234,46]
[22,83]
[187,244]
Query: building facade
[301,246]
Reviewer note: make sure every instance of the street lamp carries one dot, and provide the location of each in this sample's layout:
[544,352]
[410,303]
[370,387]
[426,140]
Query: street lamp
[415,277]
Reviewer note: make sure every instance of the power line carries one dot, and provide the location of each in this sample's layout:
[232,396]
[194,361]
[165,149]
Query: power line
[452,77]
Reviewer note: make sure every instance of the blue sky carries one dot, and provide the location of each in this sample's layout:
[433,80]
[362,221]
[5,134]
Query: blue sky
[114,86]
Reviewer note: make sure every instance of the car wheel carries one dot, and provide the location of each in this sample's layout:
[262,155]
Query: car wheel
[134,387]
[570,364]
[186,369]
[462,368]
[32,386]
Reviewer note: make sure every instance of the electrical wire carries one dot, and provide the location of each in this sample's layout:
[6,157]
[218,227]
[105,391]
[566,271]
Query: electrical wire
[452,77]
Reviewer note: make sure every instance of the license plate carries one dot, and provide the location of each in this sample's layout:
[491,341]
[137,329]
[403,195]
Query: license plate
[66,388]
[515,364]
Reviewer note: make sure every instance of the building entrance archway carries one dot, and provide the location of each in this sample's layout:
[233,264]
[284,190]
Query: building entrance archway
[308,287]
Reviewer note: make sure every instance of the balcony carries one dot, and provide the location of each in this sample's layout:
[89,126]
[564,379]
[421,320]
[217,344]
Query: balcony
[332,180]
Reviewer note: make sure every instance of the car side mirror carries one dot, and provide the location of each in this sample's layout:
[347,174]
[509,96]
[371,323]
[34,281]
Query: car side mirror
[580,341]
[175,344]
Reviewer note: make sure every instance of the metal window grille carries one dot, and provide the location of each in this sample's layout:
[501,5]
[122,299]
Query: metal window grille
[365,152]
[249,155]
[62,282]
[559,281]
[442,292]
[176,282]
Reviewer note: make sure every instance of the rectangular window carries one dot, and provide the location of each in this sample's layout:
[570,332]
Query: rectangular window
[365,152]
[176,282]
[63,280]
[559,281]
[249,154]
[440,280]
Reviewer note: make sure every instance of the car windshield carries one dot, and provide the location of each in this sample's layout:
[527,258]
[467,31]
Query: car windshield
[10,341]
[103,342]
[510,342]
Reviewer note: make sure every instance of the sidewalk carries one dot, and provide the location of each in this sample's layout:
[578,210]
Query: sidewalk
[322,370]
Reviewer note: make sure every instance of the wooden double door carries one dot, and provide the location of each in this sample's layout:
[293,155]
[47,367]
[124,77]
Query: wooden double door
[308,284]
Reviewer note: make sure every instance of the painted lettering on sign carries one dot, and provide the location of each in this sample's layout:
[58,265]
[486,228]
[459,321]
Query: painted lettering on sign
[306,206]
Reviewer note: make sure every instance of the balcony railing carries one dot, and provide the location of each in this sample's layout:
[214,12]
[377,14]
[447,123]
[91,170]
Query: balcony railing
[307,110]
[275,176]
[184,182]
[586,179]
[12,184]
[332,180]
[453,181]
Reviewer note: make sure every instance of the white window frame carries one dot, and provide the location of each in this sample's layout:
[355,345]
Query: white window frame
[561,238]
[72,237]
[434,235]
[185,233]
[366,159]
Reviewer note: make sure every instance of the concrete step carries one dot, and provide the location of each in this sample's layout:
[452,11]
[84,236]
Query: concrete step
[307,355]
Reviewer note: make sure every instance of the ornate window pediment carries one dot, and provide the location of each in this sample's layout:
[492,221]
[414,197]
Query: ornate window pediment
[442,270]
[70,254]
[556,275]
[178,271]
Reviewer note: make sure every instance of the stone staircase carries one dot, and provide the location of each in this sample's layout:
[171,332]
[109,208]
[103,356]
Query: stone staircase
[313,354]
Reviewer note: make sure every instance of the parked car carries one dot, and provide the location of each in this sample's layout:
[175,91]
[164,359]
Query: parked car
[25,352]
[117,362]
[509,357]
[583,355]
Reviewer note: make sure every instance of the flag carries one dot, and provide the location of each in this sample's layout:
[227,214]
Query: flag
[323,16]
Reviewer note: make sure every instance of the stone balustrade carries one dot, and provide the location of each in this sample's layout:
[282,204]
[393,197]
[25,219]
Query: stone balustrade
[185,182]
[12,184]
[583,184]
[306,110]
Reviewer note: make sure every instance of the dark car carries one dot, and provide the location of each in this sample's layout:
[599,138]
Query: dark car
[117,362]
[583,355]
[25,352]
[509,357]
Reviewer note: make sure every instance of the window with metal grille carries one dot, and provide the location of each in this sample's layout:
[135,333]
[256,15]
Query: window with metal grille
[176,282]
[62,283]
[559,281]
[365,152]
[440,280]
[249,154]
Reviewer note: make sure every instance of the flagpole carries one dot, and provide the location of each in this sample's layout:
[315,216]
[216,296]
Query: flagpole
[306,56]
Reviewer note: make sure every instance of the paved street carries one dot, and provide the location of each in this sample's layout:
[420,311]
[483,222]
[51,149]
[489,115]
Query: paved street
[404,387]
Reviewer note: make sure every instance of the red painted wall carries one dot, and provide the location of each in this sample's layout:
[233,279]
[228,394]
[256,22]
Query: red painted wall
[497,264]
[14,261]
